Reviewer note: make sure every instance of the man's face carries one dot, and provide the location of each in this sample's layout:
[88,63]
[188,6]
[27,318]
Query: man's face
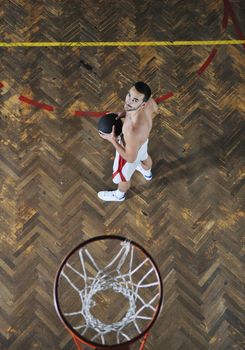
[133,100]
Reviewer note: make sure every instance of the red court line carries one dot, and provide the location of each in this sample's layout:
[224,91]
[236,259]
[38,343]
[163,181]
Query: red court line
[100,114]
[225,16]
[207,62]
[35,103]
[228,8]
[89,114]
[164,97]
[228,12]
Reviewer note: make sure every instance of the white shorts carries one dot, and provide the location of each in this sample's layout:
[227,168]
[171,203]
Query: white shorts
[122,170]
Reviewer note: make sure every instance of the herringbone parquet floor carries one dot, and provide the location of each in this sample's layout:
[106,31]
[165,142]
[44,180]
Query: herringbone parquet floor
[52,163]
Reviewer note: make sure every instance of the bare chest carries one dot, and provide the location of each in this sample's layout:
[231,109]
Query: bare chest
[142,130]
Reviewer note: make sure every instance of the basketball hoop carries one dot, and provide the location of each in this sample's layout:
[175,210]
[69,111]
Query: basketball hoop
[108,293]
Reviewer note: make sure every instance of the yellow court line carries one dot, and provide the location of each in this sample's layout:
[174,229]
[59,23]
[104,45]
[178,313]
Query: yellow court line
[122,43]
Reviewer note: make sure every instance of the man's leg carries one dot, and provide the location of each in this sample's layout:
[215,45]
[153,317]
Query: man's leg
[122,189]
[145,168]
[124,186]
[147,164]
[117,195]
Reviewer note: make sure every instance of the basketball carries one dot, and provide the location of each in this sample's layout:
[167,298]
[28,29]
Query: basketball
[106,123]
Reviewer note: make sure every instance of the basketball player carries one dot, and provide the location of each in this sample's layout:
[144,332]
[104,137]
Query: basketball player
[131,148]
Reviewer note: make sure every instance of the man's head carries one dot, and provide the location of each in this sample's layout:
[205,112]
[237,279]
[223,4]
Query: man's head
[137,96]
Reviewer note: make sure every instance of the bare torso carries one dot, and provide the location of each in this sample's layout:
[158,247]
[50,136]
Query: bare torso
[137,125]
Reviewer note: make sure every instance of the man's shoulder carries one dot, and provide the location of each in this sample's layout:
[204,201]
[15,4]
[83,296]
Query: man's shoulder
[152,106]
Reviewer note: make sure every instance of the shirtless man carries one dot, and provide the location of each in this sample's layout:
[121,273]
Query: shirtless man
[131,149]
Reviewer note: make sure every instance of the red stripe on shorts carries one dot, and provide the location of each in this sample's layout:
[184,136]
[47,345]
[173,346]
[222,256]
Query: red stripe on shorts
[121,163]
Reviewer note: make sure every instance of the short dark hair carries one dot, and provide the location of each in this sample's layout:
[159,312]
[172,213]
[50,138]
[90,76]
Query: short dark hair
[143,88]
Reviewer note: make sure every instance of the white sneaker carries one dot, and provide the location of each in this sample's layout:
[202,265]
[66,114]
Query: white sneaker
[109,196]
[143,172]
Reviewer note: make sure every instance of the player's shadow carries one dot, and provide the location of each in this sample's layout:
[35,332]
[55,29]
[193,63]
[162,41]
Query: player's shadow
[190,164]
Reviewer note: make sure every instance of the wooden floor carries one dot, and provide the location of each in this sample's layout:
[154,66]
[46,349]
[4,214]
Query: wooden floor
[52,163]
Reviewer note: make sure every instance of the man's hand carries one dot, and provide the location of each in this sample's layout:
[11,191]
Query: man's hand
[110,137]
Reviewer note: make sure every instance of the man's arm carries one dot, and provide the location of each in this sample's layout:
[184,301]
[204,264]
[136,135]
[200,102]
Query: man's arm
[155,106]
[130,151]
[152,105]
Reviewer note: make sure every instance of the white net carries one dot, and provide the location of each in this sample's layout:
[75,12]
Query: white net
[128,284]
